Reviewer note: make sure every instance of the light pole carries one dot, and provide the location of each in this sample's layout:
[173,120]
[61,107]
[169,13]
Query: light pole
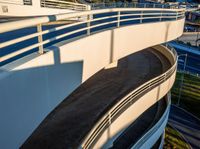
[182,77]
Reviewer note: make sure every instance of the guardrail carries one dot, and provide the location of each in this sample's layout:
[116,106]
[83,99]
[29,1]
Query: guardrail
[127,101]
[62,4]
[17,2]
[87,22]
[132,5]
[156,127]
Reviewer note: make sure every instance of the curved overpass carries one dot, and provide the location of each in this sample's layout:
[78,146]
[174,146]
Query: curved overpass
[107,118]
[94,97]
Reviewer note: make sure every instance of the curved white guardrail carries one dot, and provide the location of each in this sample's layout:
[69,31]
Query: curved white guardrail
[91,21]
[127,101]
[162,122]
[62,4]
[132,5]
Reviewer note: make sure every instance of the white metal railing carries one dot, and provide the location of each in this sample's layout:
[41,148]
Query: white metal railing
[88,19]
[156,127]
[127,101]
[63,4]
[132,5]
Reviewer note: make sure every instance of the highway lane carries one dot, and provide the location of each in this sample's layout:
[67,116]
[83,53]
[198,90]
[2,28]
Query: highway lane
[186,124]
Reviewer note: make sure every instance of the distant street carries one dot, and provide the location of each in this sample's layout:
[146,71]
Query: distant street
[193,61]
[190,37]
[187,125]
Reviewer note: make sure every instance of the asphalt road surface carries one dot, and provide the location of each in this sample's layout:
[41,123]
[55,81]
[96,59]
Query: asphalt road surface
[190,37]
[186,124]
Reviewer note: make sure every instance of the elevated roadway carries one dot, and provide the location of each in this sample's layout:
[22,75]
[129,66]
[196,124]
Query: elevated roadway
[71,121]
[186,124]
[105,99]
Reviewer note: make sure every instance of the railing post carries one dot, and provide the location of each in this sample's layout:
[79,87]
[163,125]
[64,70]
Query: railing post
[134,5]
[88,7]
[40,39]
[109,117]
[118,18]
[154,5]
[176,15]
[88,24]
[141,17]
[161,16]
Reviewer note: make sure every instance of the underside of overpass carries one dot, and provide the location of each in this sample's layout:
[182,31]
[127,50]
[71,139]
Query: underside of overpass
[72,120]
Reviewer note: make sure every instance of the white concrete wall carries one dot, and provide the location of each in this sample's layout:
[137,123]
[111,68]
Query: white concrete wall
[32,86]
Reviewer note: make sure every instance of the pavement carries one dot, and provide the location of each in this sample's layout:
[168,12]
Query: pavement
[70,121]
[190,37]
[187,125]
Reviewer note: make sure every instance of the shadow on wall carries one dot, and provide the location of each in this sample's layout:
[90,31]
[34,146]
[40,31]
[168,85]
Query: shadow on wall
[28,95]
[167,31]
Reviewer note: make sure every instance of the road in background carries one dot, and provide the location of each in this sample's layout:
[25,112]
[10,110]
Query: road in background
[193,60]
[190,37]
[186,124]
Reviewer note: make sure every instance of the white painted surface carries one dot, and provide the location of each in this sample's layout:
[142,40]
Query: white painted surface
[33,86]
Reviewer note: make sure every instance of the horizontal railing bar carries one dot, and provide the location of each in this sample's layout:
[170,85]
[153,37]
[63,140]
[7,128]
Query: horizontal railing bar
[129,19]
[137,14]
[14,41]
[63,2]
[64,7]
[20,52]
[102,24]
